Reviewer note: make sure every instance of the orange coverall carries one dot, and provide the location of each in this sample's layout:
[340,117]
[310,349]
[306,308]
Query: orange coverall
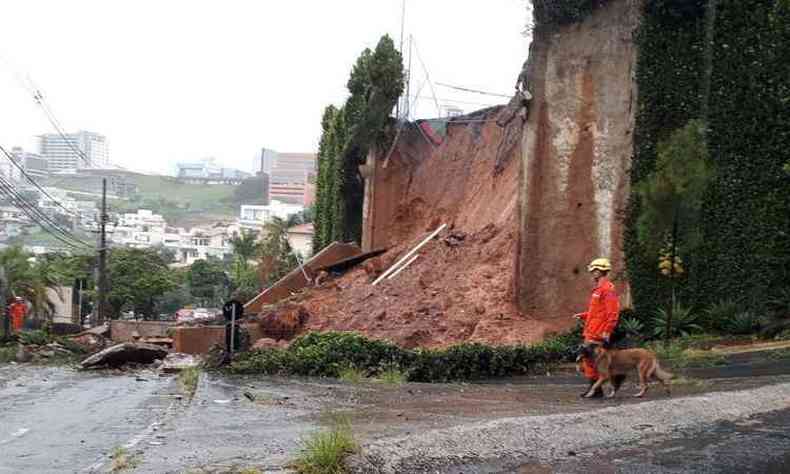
[601,318]
[17,312]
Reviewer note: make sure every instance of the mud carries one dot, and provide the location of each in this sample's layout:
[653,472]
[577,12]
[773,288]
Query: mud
[461,287]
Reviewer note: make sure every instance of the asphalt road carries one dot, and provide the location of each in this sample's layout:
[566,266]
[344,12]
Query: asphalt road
[56,420]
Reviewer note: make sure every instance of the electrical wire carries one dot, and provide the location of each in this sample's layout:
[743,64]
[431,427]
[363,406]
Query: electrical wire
[26,210]
[38,216]
[33,182]
[466,89]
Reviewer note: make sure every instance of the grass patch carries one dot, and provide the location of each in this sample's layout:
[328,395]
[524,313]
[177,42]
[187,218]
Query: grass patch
[7,353]
[392,376]
[323,452]
[122,460]
[680,354]
[351,374]
[188,380]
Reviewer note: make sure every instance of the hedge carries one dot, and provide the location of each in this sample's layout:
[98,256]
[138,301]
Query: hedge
[326,354]
[737,82]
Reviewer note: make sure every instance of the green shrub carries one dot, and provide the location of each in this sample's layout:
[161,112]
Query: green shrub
[718,314]
[745,322]
[684,322]
[37,337]
[7,353]
[779,303]
[331,354]
[632,327]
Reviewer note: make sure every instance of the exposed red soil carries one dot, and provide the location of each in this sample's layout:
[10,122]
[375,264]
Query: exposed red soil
[461,287]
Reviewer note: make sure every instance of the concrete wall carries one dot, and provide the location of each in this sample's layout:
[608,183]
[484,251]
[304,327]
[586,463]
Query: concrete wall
[121,331]
[576,152]
[200,339]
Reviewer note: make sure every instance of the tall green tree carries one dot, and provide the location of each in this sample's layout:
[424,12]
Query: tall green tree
[276,256]
[208,281]
[375,83]
[672,198]
[138,278]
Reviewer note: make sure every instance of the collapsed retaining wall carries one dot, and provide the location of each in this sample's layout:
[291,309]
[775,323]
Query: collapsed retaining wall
[525,214]
[577,151]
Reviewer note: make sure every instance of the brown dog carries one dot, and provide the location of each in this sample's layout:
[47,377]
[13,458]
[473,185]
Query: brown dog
[613,364]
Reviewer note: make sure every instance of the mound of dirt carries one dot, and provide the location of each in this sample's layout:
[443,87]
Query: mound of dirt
[461,287]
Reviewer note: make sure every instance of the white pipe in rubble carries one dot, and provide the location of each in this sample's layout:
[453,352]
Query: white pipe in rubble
[408,255]
[403,267]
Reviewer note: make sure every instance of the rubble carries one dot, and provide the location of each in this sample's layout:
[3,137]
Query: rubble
[89,342]
[177,361]
[126,352]
[284,322]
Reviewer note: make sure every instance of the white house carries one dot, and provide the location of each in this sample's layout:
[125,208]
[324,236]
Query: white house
[255,216]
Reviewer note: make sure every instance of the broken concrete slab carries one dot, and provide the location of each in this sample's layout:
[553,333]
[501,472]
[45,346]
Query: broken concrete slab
[126,352]
[296,280]
[89,342]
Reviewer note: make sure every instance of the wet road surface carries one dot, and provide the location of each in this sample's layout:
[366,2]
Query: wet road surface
[57,420]
[61,420]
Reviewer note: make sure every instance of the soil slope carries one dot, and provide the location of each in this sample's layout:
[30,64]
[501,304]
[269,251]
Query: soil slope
[461,287]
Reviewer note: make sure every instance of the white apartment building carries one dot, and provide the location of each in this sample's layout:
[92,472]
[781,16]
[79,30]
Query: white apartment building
[254,216]
[73,151]
[143,229]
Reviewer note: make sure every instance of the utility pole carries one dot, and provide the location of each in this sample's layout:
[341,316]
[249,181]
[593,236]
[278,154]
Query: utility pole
[400,50]
[101,282]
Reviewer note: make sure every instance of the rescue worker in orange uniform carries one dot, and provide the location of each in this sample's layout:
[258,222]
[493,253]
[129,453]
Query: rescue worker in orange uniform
[17,312]
[601,317]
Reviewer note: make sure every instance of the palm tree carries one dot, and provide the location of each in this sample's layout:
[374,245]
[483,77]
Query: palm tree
[29,279]
[245,245]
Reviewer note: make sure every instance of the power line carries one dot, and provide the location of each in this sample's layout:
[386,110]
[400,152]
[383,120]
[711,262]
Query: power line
[37,216]
[465,89]
[33,182]
[427,78]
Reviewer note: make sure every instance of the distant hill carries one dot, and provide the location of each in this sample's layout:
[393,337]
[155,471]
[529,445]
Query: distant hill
[181,204]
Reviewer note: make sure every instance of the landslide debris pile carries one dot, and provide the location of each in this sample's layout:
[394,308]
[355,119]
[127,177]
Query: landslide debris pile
[461,286]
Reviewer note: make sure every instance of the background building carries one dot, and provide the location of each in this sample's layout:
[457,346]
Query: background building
[288,175]
[34,165]
[207,171]
[61,155]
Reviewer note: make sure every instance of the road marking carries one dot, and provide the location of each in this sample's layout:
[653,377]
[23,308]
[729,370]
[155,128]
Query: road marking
[135,440]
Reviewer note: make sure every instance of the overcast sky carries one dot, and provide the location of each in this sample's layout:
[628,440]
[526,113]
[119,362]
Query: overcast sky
[178,80]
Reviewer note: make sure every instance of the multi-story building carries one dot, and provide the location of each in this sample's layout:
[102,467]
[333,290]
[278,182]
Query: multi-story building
[74,151]
[288,175]
[32,164]
[144,229]
[254,216]
[206,171]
